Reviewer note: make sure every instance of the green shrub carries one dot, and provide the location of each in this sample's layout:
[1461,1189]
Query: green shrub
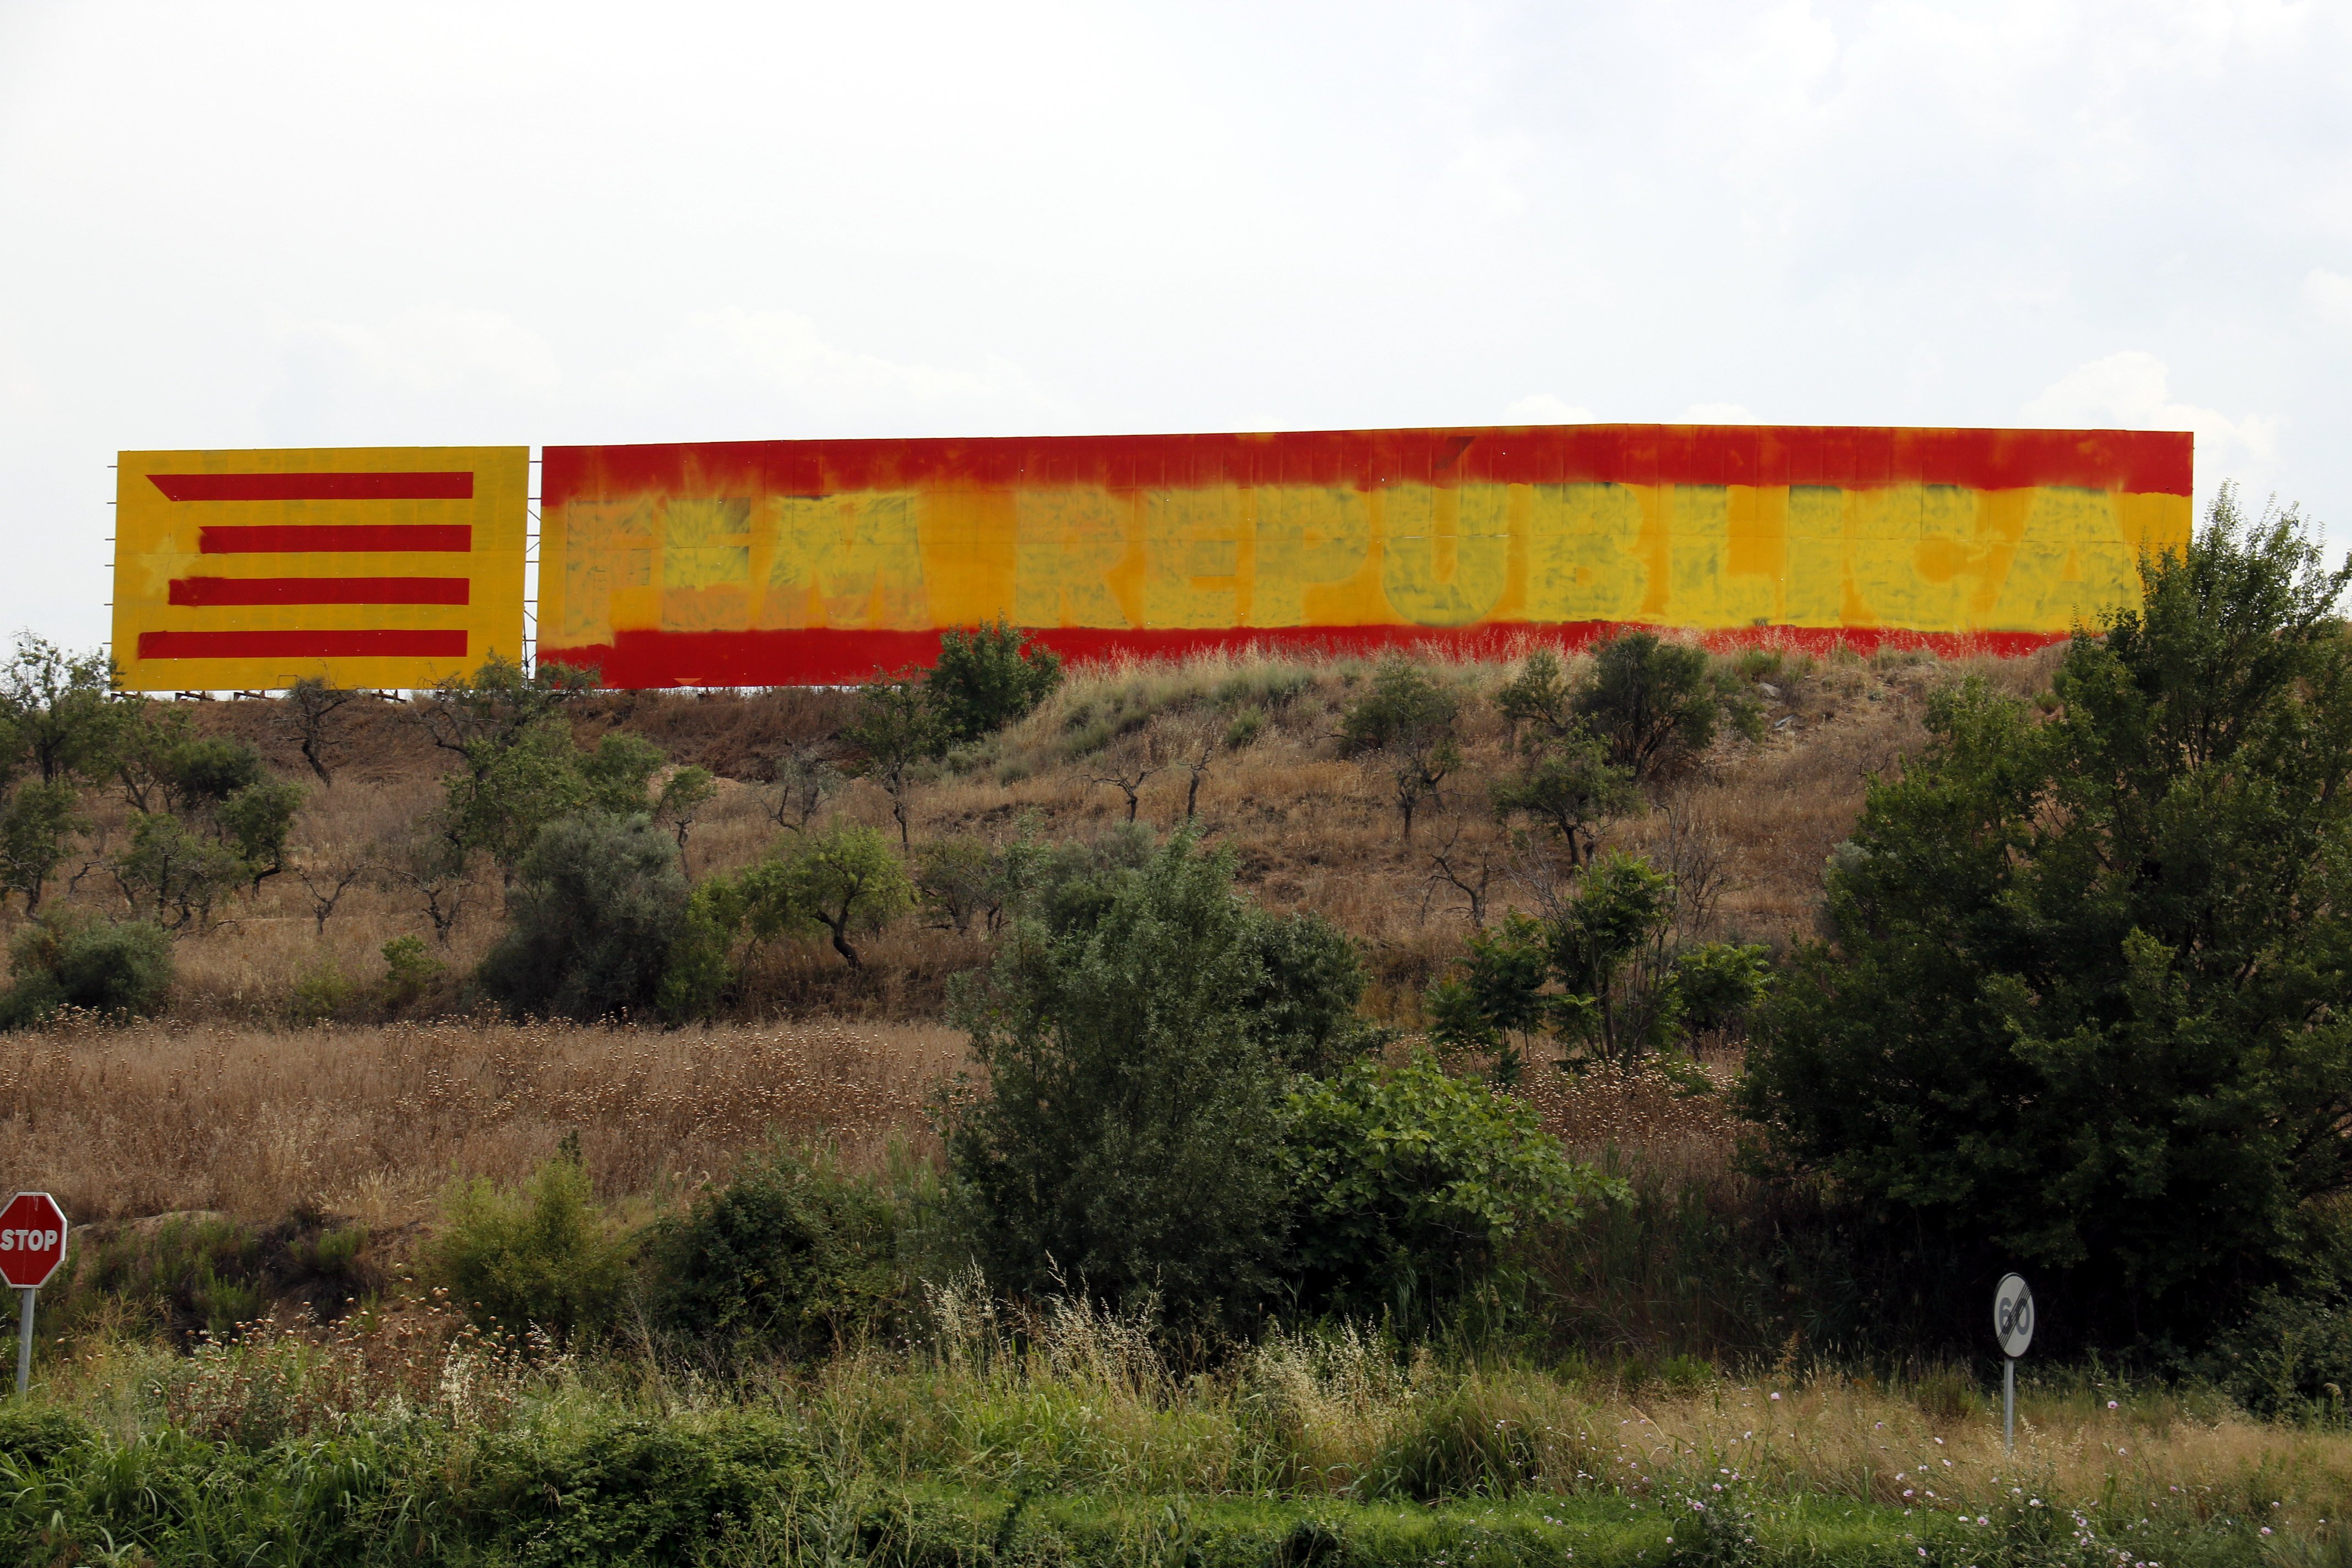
[191,1274]
[1247,726]
[794,1257]
[67,959]
[538,1254]
[320,991]
[1127,1140]
[409,970]
[987,678]
[601,901]
[1409,1185]
[2290,1357]
[39,1437]
[1658,704]
[1407,720]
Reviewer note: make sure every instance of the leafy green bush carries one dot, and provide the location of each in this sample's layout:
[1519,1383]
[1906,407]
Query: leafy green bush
[33,1438]
[1658,704]
[67,959]
[1128,1138]
[409,970]
[191,1274]
[538,1254]
[794,1257]
[2290,1357]
[1407,720]
[601,902]
[987,678]
[1603,973]
[1409,1185]
[321,991]
[2081,1008]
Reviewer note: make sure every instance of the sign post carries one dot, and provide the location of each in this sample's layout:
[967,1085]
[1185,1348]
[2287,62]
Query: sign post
[32,1244]
[2012,1324]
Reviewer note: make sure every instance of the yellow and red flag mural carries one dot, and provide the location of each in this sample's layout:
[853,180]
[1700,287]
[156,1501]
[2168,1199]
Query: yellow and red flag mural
[384,567]
[793,562]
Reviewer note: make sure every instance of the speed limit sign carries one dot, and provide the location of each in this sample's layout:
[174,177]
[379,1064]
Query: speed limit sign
[2012,1325]
[2012,1315]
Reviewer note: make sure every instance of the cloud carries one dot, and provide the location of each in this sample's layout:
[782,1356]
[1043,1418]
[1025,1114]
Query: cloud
[1543,408]
[2130,391]
[433,348]
[1719,413]
[2331,294]
[781,354]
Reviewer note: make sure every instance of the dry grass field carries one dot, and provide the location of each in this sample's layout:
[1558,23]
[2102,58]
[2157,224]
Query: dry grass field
[285,1078]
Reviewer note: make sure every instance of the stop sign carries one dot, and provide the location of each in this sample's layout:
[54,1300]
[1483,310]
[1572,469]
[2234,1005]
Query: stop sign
[32,1240]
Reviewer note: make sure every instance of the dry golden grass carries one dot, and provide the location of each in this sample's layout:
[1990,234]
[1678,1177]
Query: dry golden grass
[372,1122]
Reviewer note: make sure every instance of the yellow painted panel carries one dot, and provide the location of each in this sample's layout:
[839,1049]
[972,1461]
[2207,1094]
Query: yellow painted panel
[384,567]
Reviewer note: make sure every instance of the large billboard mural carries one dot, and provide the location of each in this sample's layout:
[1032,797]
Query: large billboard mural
[795,562]
[386,567]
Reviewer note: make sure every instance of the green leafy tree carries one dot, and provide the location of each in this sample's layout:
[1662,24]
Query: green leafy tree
[1410,1186]
[254,822]
[960,881]
[681,799]
[38,823]
[199,773]
[479,715]
[59,713]
[1408,719]
[896,731]
[987,678]
[147,751]
[509,792]
[844,879]
[177,872]
[1538,701]
[67,959]
[701,969]
[599,902]
[1659,704]
[619,774]
[1126,1135]
[1602,971]
[1567,783]
[2082,1008]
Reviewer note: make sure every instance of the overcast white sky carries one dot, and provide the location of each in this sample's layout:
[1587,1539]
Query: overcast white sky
[232,224]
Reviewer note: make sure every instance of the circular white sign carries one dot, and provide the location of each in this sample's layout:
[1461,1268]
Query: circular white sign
[2012,1315]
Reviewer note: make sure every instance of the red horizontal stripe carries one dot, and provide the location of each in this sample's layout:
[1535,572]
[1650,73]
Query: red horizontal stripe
[653,658]
[316,487]
[203,591]
[303,645]
[274,538]
[1850,458]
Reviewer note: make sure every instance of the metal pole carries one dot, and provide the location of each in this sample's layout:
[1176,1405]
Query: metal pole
[2008,1399]
[25,1342]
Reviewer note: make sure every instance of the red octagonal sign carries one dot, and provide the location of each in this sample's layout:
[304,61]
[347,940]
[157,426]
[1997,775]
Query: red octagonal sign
[32,1240]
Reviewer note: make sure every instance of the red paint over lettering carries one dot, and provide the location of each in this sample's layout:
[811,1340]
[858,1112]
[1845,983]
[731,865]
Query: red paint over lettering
[1850,457]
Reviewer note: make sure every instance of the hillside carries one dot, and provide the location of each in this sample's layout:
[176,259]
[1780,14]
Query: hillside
[1312,830]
